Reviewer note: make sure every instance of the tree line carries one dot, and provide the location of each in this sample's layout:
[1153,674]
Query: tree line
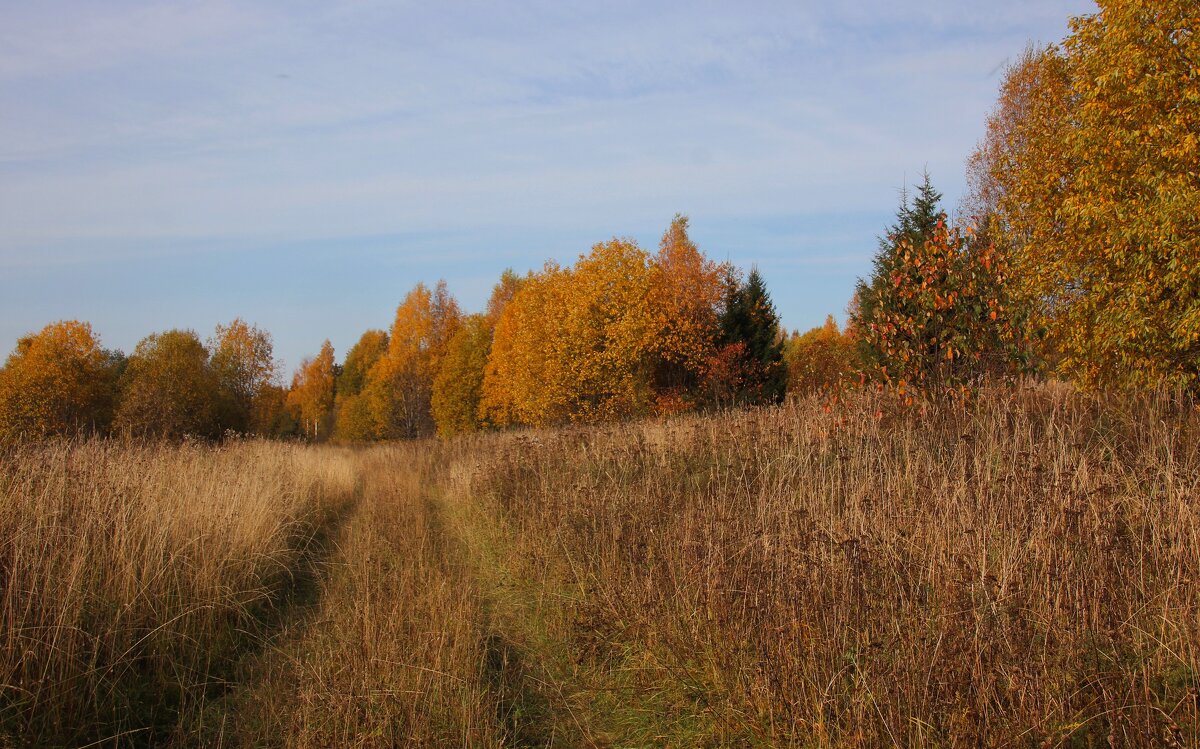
[620,334]
[1075,254]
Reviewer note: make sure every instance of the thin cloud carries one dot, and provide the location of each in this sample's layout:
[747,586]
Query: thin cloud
[140,132]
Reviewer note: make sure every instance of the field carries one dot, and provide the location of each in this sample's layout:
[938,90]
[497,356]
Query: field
[1020,571]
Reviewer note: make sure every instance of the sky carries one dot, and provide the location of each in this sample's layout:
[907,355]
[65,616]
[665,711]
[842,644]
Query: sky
[303,164]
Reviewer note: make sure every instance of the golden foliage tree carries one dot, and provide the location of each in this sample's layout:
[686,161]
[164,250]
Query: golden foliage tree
[271,416]
[524,381]
[619,334]
[576,344]
[243,360]
[458,386]
[1035,90]
[1013,203]
[169,389]
[400,384]
[820,359]
[502,293]
[57,382]
[1089,167]
[610,334]
[369,348]
[312,392]
[353,421]
[687,293]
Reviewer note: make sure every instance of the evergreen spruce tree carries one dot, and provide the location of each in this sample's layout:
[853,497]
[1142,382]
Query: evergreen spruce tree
[936,314]
[916,221]
[749,321]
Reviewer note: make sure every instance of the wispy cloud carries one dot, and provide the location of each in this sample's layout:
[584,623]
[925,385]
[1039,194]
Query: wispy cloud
[142,130]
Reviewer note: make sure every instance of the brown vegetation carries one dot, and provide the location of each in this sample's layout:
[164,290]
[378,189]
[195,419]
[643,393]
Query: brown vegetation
[132,578]
[1016,571]
[1022,573]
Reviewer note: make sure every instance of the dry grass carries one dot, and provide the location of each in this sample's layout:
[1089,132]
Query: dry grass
[132,577]
[1019,573]
[393,655]
[1023,573]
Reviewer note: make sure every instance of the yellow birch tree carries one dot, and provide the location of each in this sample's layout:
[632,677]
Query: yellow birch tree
[312,393]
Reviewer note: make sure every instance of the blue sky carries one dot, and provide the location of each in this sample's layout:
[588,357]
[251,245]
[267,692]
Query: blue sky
[303,164]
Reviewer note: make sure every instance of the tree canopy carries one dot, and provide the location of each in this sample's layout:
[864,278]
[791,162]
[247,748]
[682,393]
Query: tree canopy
[243,361]
[58,381]
[311,396]
[170,390]
[399,385]
[1088,171]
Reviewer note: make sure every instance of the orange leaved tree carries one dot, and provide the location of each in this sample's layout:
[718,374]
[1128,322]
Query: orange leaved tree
[400,385]
[58,382]
[352,419]
[525,380]
[458,385]
[942,319]
[687,293]
[821,359]
[576,344]
[311,394]
[619,334]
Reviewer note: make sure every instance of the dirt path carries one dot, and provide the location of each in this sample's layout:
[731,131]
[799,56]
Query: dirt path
[384,646]
[410,626]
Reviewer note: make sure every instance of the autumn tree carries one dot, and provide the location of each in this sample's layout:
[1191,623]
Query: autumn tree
[400,384]
[823,358]
[938,312]
[1088,169]
[525,379]
[1011,205]
[747,366]
[312,393]
[1035,89]
[458,386]
[687,290]
[609,333]
[609,338]
[942,320]
[352,420]
[58,381]
[576,344]
[169,389]
[369,348]
[243,361]
[619,334]
[916,222]
[502,293]
[270,415]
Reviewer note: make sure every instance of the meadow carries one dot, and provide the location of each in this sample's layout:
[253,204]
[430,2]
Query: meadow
[1017,570]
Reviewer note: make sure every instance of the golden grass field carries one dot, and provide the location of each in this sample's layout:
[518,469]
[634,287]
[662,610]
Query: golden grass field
[1016,572]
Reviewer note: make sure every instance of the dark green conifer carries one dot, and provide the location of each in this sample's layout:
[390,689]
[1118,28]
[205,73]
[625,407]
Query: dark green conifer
[749,319]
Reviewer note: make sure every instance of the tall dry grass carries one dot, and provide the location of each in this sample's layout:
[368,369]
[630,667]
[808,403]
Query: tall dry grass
[132,577]
[395,653]
[1020,572]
